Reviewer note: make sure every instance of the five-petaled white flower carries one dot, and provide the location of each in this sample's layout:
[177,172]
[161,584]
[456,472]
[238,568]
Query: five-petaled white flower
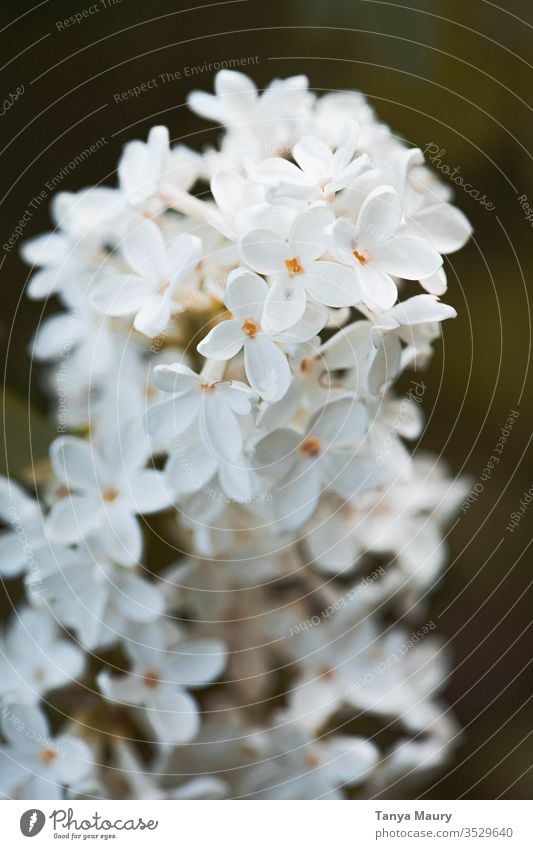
[265,363]
[377,251]
[295,265]
[302,465]
[106,488]
[211,404]
[158,269]
[319,172]
[35,765]
[160,679]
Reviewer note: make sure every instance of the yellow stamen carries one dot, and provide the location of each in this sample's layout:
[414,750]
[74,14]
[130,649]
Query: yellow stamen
[311,447]
[250,327]
[47,755]
[110,494]
[151,679]
[363,259]
[294,266]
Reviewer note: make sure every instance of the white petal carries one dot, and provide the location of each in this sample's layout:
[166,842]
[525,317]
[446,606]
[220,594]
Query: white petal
[190,468]
[377,288]
[348,474]
[332,284]
[436,284]
[310,325]
[123,540]
[154,315]
[235,87]
[12,554]
[384,363]
[145,251]
[349,760]
[73,517]
[44,283]
[379,217]
[285,303]
[445,227]
[224,341]
[77,463]
[339,422]
[408,257]
[313,156]
[173,715]
[175,378]
[139,600]
[56,336]
[126,689]
[120,294]
[196,662]
[147,491]
[266,368]
[264,251]
[220,429]
[74,761]
[23,726]
[296,496]
[307,239]
[174,415]
[421,309]
[349,347]
[245,294]
[184,252]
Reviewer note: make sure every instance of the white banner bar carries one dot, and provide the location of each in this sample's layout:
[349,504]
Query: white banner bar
[256,825]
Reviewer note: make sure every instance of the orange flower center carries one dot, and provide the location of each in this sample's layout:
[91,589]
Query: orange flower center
[311,447]
[294,266]
[250,327]
[47,755]
[151,678]
[110,494]
[208,387]
[362,258]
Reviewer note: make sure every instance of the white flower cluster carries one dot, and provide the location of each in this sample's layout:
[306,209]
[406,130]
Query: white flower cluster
[226,359]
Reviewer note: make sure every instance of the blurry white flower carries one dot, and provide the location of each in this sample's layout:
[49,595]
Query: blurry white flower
[158,268]
[23,516]
[160,679]
[33,660]
[35,765]
[106,488]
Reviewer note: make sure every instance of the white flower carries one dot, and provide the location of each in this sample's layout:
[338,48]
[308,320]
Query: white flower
[71,256]
[293,264]
[23,515]
[294,765]
[302,464]
[105,490]
[32,658]
[149,171]
[160,679]
[211,404]
[319,172]
[93,596]
[265,363]
[158,269]
[376,251]
[146,784]
[34,765]
[256,122]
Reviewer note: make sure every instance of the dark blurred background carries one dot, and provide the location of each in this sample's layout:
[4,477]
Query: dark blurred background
[449,73]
